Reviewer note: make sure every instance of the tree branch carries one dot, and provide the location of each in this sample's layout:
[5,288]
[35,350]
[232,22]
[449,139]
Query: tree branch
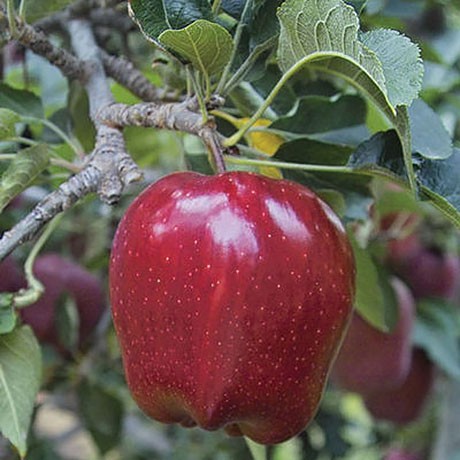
[178,116]
[109,167]
[39,43]
[123,71]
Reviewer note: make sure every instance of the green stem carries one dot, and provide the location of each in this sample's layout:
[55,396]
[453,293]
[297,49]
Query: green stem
[7,156]
[11,18]
[200,97]
[22,10]
[235,138]
[24,140]
[216,6]
[244,68]
[56,130]
[236,43]
[285,165]
[34,286]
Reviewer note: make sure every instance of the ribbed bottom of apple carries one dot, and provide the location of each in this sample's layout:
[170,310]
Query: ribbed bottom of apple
[263,431]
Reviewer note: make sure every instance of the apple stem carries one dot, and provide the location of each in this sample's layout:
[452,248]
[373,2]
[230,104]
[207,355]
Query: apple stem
[211,140]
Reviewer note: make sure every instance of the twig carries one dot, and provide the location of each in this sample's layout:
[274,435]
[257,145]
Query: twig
[109,167]
[177,116]
[123,71]
[40,44]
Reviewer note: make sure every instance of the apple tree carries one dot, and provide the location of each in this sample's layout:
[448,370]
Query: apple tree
[229,217]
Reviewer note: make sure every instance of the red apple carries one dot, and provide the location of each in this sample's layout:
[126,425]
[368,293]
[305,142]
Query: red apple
[370,360]
[62,277]
[428,271]
[11,277]
[230,296]
[405,404]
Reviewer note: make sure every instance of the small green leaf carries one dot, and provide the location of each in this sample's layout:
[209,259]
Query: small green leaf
[8,119]
[208,46]
[22,171]
[375,299]
[20,101]
[67,322]
[429,136]
[401,63]
[436,330]
[37,9]
[155,16]
[102,414]
[8,315]
[20,377]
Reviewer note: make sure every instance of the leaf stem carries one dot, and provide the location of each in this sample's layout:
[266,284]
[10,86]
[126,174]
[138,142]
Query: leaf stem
[244,68]
[35,288]
[285,165]
[22,10]
[53,127]
[236,43]
[11,18]
[200,97]
[216,6]
[236,137]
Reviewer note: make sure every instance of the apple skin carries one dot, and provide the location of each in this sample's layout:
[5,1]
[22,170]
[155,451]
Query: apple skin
[405,404]
[11,277]
[428,272]
[371,360]
[59,277]
[230,296]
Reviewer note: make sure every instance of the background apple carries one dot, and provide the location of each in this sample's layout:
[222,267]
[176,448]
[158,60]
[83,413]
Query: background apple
[62,277]
[230,296]
[370,360]
[405,404]
[11,277]
[428,271]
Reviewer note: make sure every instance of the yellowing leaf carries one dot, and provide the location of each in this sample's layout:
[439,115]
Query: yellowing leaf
[265,142]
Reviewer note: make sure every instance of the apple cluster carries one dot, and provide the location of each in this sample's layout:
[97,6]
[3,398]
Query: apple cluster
[394,377]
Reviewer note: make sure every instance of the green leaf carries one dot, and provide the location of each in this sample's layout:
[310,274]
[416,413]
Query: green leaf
[258,451]
[22,171]
[37,9]
[8,119]
[8,315]
[437,331]
[402,65]
[358,5]
[20,101]
[67,322]
[102,414]
[234,7]
[207,45]
[429,136]
[155,16]
[382,151]
[20,377]
[375,300]
[318,114]
[323,36]
[440,184]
